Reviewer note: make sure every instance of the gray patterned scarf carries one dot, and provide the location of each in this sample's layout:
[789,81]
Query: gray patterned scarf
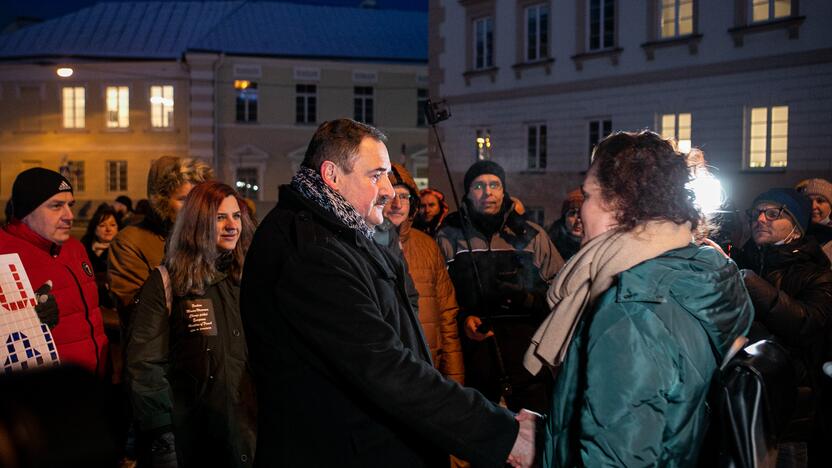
[310,184]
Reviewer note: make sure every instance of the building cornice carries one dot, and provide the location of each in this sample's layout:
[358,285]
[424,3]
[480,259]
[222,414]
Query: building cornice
[812,57]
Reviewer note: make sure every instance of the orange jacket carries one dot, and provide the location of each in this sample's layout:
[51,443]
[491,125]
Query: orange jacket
[437,300]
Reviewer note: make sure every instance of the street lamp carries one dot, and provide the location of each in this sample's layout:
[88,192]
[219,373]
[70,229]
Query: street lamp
[65,72]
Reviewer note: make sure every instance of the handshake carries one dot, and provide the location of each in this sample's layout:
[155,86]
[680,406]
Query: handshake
[524,449]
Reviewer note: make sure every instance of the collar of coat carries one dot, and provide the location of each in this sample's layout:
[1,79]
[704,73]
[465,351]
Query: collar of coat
[20,230]
[514,228]
[311,186]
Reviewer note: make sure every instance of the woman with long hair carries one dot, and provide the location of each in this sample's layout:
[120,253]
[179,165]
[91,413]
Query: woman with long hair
[101,230]
[641,316]
[187,360]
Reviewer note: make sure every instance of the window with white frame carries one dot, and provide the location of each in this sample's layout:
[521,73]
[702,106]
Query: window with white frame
[598,130]
[116,176]
[76,175]
[161,106]
[768,137]
[483,43]
[246,102]
[601,24]
[767,10]
[248,180]
[676,18]
[536,146]
[29,111]
[306,103]
[73,104]
[537,32]
[421,105]
[677,127]
[363,104]
[118,106]
[483,144]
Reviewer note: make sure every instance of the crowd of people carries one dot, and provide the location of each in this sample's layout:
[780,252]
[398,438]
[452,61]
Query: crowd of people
[364,323]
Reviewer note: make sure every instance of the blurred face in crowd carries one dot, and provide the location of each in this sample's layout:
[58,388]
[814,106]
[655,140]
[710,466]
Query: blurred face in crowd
[229,223]
[106,229]
[771,224]
[177,198]
[429,207]
[398,209]
[820,208]
[486,194]
[597,214]
[572,219]
[52,220]
[120,207]
[367,187]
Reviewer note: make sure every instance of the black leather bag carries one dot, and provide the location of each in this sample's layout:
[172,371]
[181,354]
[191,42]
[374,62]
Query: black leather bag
[752,398]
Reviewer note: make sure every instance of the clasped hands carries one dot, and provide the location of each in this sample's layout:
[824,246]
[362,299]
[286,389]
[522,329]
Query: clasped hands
[524,450]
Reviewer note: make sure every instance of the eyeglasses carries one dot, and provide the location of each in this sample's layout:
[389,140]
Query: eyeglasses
[403,197]
[493,185]
[771,213]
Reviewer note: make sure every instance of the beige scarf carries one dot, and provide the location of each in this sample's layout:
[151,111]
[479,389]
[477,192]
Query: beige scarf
[591,272]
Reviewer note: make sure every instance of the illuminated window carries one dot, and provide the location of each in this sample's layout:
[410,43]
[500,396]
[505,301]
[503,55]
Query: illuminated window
[537,32]
[483,43]
[248,180]
[677,127]
[116,176]
[676,18]
[363,104]
[246,108]
[536,148]
[161,106]
[483,144]
[598,130]
[306,103]
[118,107]
[601,24]
[768,137]
[421,105]
[767,10]
[74,101]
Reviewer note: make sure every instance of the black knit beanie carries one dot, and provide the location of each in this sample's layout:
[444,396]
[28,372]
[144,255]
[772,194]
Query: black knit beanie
[484,167]
[33,187]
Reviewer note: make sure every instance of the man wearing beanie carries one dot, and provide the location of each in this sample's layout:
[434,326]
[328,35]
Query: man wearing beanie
[516,262]
[790,283]
[820,192]
[568,231]
[39,232]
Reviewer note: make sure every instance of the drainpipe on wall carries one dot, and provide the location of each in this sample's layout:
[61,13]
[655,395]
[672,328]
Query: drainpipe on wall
[217,168]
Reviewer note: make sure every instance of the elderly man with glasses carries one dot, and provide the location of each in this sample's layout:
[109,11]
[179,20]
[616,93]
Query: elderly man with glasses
[515,262]
[790,284]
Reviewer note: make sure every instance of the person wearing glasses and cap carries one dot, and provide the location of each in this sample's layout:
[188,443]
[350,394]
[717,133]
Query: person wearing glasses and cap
[790,284]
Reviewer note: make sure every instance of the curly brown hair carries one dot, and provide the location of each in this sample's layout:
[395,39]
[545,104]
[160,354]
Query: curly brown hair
[644,178]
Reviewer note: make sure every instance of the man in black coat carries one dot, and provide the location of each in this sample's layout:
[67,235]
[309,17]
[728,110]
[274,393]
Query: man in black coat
[343,374]
[790,284]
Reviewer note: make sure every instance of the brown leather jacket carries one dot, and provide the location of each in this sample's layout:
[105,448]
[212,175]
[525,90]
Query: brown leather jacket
[437,301]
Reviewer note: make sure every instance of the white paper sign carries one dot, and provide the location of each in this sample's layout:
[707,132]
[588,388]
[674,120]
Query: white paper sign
[24,341]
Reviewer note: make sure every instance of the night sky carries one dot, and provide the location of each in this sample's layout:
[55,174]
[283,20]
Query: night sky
[47,9]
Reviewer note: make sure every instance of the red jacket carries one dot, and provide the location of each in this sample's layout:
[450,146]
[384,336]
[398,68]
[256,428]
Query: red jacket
[79,335]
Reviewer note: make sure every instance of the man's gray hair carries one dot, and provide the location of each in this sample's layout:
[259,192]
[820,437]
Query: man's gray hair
[338,141]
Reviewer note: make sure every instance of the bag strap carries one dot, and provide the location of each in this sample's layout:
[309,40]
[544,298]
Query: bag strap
[166,283]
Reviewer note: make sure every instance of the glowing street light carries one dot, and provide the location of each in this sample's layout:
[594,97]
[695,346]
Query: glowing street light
[64,72]
[707,189]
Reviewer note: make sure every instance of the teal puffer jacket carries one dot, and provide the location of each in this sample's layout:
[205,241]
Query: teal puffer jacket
[632,390]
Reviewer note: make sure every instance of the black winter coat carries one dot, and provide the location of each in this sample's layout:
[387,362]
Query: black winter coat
[792,296]
[188,372]
[339,360]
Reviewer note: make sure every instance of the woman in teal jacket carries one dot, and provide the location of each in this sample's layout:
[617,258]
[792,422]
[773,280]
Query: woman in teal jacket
[641,316]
